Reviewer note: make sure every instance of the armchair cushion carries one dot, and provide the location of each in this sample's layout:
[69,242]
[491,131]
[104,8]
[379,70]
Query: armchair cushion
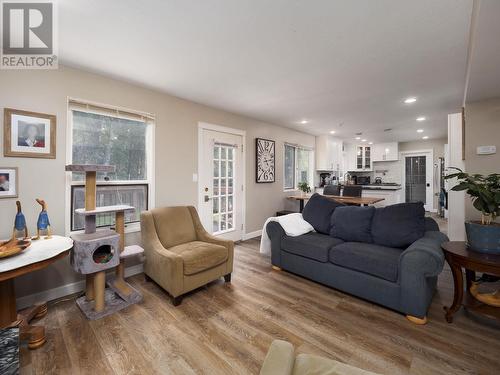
[199,256]
[174,225]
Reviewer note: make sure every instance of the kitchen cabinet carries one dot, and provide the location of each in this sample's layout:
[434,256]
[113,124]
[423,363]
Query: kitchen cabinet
[390,196]
[329,153]
[359,158]
[385,151]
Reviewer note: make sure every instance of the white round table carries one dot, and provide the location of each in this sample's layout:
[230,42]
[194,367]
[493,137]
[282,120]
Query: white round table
[38,255]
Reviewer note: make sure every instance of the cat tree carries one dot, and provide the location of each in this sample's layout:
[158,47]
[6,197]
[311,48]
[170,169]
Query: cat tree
[96,251]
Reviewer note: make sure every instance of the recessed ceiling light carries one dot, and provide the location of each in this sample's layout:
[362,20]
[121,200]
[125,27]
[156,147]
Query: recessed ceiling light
[370,143]
[358,138]
[363,140]
[421,118]
[332,131]
[425,137]
[410,100]
[420,130]
[303,122]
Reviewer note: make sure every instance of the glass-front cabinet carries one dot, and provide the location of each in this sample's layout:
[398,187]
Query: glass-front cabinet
[363,158]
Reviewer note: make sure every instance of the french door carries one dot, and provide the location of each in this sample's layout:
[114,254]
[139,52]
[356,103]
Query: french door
[221,183]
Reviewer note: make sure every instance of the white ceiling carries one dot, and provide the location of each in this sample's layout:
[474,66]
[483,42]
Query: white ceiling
[349,62]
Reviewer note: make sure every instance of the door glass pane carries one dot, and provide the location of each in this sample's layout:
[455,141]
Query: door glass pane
[223,190]
[216,186]
[223,172]
[216,205]
[229,203]
[223,153]
[216,168]
[223,222]
[367,157]
[216,152]
[215,223]
[230,223]
[230,168]
[415,176]
[230,153]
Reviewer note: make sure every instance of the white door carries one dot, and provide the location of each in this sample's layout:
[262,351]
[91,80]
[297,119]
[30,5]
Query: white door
[417,179]
[221,183]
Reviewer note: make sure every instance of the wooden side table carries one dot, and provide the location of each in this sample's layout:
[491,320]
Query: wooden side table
[459,256]
[39,255]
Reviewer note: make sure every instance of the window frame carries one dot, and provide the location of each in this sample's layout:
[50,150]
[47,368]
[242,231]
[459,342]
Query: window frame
[296,168]
[118,112]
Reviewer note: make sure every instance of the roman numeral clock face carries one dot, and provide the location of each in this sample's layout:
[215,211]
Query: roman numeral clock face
[265,160]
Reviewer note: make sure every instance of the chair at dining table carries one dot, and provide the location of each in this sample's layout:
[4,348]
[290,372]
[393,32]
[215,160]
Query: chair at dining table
[352,191]
[331,190]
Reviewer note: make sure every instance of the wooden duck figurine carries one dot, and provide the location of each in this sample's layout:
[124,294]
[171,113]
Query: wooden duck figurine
[19,223]
[43,223]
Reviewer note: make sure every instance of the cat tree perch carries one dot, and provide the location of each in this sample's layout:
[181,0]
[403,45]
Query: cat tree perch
[96,251]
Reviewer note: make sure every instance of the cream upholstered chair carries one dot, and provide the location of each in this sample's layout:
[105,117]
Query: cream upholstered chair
[180,254]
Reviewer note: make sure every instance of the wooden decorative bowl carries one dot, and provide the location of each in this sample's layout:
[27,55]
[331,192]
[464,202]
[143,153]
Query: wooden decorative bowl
[13,247]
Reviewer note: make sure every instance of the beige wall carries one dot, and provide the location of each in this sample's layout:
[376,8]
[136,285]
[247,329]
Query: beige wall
[175,147]
[482,128]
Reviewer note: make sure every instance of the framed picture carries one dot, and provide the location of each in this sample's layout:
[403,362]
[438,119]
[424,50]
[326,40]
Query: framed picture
[29,134]
[265,153]
[9,182]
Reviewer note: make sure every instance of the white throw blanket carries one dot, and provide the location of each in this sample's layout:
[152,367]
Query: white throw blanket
[293,225]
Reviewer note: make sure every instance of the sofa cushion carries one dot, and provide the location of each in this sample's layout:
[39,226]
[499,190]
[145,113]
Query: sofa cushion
[311,245]
[352,223]
[376,260]
[199,256]
[398,225]
[318,212]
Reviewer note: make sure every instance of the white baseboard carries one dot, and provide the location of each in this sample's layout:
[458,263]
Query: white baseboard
[66,290]
[247,236]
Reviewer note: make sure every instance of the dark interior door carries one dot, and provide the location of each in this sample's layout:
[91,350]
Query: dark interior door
[415,179]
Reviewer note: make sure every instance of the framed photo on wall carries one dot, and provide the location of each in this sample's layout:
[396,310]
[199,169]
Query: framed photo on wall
[29,134]
[265,152]
[9,182]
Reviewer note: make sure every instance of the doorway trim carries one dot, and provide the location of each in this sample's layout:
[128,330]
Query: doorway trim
[223,129]
[429,174]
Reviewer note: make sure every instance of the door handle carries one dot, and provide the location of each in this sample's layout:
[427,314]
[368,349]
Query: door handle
[207,198]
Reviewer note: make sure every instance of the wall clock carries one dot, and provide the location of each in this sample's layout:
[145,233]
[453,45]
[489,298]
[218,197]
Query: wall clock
[265,160]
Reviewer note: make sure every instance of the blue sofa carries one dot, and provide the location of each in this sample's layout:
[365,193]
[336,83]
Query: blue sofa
[400,278]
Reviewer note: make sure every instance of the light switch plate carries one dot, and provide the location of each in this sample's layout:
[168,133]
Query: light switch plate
[486,150]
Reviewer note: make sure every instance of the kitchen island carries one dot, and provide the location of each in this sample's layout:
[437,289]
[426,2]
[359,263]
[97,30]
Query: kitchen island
[389,193]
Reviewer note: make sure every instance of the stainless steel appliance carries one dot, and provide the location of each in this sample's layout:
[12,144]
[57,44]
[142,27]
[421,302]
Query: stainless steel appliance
[363,180]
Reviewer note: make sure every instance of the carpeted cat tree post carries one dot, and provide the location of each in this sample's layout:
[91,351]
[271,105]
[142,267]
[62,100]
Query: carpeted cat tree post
[96,251]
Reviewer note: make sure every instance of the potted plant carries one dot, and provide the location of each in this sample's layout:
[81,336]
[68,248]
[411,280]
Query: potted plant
[484,235]
[304,188]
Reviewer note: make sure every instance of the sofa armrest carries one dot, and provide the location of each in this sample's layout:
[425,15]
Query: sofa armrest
[424,256]
[419,266]
[279,360]
[162,265]
[275,232]
[203,235]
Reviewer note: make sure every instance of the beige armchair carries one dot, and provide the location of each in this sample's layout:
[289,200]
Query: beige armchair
[281,360]
[180,254]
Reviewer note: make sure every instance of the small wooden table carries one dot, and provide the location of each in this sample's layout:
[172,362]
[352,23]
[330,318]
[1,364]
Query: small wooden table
[38,255]
[459,256]
[360,201]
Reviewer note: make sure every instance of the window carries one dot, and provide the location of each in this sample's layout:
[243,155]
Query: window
[298,166]
[109,136]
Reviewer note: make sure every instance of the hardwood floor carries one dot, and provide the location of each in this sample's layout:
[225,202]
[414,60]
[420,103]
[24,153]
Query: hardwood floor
[227,329]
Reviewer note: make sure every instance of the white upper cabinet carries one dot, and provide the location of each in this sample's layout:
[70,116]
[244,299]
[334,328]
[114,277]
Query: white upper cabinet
[359,157]
[328,153]
[385,151]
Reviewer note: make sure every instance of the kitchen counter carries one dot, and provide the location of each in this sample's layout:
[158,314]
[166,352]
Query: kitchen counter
[381,187]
